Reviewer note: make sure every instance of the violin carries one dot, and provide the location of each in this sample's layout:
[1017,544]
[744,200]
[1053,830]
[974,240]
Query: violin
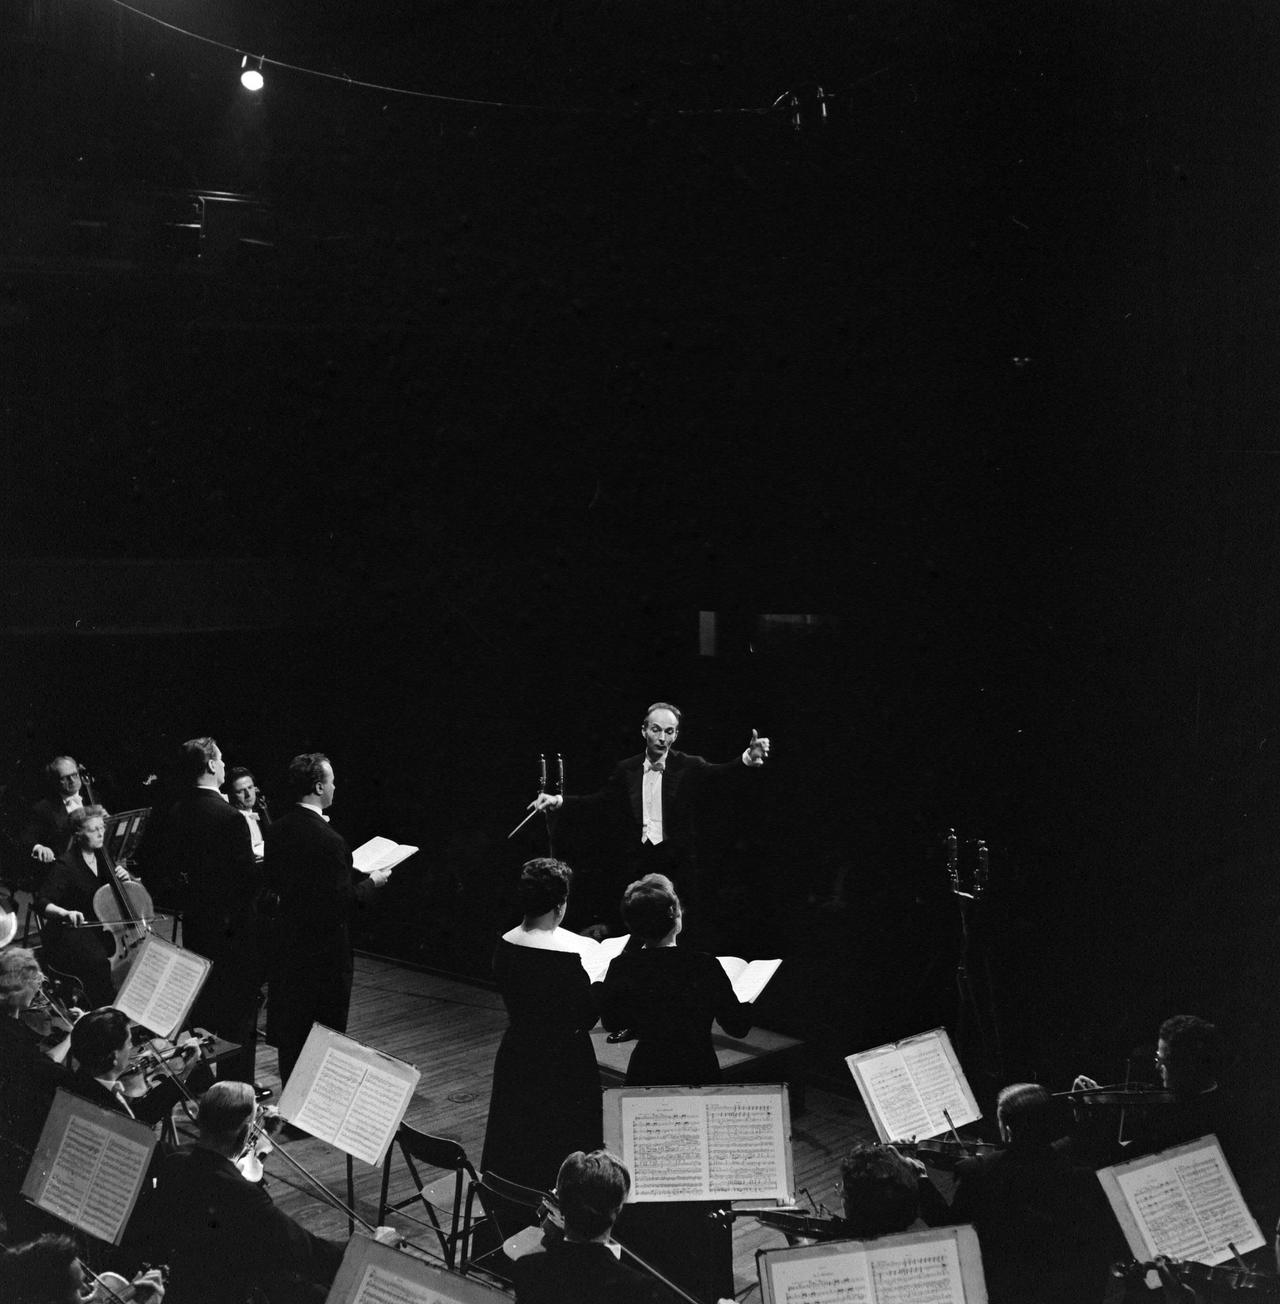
[258,1146]
[112,1288]
[52,1019]
[1121,1095]
[1225,1278]
[150,1063]
[946,1152]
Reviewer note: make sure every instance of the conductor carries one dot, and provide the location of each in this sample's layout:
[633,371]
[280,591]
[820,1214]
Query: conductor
[652,799]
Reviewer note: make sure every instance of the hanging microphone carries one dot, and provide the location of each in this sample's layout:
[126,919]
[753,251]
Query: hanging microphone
[953,860]
[542,771]
[560,774]
[980,874]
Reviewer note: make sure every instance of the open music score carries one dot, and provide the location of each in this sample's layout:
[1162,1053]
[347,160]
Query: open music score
[907,1085]
[89,1166]
[380,853]
[749,978]
[350,1095]
[703,1143]
[377,1274]
[162,985]
[942,1265]
[1182,1202]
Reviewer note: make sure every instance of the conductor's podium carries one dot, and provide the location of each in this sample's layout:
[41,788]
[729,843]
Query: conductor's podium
[760,1056]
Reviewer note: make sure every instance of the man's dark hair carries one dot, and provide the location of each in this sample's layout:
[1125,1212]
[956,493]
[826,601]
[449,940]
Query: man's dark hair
[592,1188]
[881,1190]
[239,772]
[96,1038]
[650,907]
[196,755]
[305,772]
[544,884]
[1194,1054]
[38,1272]
[1027,1110]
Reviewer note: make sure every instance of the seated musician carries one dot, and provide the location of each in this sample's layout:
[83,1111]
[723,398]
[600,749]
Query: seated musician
[48,1271]
[28,1080]
[885,1192]
[584,1266]
[65,902]
[219,1232]
[102,1048]
[1045,1228]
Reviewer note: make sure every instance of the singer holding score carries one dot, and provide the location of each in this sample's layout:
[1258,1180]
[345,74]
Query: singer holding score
[651,802]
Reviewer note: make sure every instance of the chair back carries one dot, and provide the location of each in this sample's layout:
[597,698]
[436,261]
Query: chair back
[504,1204]
[416,1148]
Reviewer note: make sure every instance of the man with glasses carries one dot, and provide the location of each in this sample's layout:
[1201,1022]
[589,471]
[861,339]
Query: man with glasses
[651,800]
[48,831]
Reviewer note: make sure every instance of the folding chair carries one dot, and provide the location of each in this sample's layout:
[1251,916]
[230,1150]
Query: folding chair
[444,1196]
[509,1208]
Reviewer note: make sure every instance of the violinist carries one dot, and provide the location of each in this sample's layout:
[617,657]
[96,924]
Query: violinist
[221,1234]
[102,1048]
[885,1192]
[1044,1225]
[28,1080]
[65,902]
[584,1266]
[48,1271]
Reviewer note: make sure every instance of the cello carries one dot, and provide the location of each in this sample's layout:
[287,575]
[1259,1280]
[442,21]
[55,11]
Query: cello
[124,907]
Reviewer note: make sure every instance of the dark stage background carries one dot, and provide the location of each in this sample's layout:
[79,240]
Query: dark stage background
[427,446]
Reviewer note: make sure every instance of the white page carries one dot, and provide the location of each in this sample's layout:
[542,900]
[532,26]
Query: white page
[753,978]
[935,1076]
[380,853]
[373,1116]
[94,1178]
[891,1095]
[746,1148]
[161,986]
[838,1278]
[664,1146]
[917,1274]
[325,1107]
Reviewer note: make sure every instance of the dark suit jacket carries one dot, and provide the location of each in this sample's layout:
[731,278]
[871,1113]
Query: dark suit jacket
[309,866]
[221,1234]
[49,825]
[621,801]
[584,1273]
[208,842]
[151,1108]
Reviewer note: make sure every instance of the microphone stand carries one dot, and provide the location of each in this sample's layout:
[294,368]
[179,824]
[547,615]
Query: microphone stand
[969,1013]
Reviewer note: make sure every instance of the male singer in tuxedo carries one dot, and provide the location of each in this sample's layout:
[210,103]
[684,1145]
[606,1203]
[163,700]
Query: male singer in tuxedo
[309,868]
[206,842]
[652,799]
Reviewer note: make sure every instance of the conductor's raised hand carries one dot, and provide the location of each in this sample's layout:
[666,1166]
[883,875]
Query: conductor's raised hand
[757,749]
[546,801]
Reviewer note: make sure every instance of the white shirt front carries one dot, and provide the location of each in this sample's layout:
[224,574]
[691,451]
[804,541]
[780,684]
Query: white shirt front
[651,801]
[255,832]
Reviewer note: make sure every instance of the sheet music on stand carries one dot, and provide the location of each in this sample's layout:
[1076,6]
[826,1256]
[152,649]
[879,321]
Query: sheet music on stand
[727,1142]
[124,832]
[377,1274]
[89,1166]
[162,985]
[906,1086]
[941,1265]
[350,1095]
[1183,1202]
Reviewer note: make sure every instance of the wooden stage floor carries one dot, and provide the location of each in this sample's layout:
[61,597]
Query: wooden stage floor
[450,1031]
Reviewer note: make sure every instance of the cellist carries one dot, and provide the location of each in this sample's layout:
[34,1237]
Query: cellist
[72,942]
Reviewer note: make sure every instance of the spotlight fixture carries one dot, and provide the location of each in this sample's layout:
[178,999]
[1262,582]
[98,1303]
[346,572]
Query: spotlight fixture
[251,75]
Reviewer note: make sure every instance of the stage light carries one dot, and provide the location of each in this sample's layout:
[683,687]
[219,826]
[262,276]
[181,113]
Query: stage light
[251,77]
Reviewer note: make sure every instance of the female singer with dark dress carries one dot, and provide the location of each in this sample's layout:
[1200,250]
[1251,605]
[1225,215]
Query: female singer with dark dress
[666,996]
[65,902]
[546,1086]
